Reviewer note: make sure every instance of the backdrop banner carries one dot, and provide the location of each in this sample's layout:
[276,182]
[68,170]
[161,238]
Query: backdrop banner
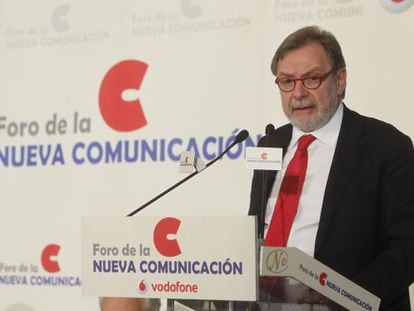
[99,98]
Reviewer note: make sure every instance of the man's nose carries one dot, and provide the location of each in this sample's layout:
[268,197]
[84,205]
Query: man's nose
[300,91]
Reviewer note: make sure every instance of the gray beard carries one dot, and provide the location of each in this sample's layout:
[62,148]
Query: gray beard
[317,121]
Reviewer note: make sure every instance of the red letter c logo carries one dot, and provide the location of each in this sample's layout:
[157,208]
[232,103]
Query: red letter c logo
[164,245]
[49,264]
[322,278]
[119,114]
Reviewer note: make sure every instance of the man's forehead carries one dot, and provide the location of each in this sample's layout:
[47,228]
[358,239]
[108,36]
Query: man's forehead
[310,57]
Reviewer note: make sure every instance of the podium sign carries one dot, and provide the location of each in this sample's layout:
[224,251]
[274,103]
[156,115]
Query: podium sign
[212,258]
[292,262]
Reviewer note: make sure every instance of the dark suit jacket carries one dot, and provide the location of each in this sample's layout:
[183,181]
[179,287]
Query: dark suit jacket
[366,229]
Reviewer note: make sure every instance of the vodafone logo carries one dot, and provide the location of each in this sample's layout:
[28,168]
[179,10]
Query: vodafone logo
[396,6]
[164,237]
[48,258]
[143,287]
[119,113]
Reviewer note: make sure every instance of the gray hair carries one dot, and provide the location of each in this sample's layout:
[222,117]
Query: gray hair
[306,35]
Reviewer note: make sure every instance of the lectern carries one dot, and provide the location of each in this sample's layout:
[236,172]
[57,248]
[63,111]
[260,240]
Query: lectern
[207,263]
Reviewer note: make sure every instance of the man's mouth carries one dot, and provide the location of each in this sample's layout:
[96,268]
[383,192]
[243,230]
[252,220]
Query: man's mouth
[306,108]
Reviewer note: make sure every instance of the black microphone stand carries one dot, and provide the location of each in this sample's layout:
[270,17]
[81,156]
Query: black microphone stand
[241,136]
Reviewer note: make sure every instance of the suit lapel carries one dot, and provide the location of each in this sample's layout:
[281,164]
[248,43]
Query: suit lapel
[347,154]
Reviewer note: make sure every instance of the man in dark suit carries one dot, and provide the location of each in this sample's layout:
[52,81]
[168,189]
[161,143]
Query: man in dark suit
[356,208]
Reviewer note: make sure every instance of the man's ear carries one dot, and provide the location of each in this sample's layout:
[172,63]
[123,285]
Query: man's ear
[341,82]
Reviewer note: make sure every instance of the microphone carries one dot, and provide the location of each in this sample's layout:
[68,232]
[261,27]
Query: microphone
[269,130]
[240,137]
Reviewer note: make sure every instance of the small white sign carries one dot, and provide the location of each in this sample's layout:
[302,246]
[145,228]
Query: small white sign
[264,158]
[187,162]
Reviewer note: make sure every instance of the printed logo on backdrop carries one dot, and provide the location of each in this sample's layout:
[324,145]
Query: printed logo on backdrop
[59,18]
[120,110]
[313,11]
[190,16]
[191,8]
[162,257]
[396,6]
[46,273]
[57,30]
[119,113]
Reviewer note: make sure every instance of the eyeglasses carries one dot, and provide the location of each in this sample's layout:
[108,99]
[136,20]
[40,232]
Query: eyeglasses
[311,82]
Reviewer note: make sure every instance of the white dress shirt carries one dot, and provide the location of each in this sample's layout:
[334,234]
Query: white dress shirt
[320,155]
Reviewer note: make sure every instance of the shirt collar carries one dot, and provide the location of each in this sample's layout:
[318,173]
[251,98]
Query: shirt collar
[327,134]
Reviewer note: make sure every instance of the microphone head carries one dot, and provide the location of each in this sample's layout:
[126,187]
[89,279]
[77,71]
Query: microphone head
[269,129]
[241,136]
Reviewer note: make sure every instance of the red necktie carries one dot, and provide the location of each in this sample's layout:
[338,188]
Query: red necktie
[289,194]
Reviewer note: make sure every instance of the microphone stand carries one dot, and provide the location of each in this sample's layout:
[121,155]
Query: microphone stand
[241,136]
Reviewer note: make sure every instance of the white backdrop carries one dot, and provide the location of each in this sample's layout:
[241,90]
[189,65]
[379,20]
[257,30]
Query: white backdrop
[207,77]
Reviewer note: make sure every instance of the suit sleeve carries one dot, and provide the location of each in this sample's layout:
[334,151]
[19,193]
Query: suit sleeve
[391,272]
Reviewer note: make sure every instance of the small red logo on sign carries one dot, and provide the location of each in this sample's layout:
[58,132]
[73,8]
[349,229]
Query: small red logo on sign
[166,245]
